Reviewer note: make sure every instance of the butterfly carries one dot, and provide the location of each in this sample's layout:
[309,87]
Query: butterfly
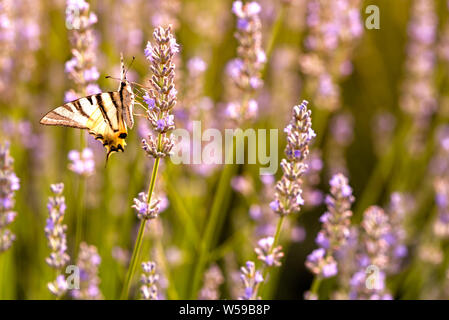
[105,115]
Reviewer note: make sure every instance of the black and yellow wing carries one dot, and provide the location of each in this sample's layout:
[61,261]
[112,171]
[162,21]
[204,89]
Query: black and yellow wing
[101,114]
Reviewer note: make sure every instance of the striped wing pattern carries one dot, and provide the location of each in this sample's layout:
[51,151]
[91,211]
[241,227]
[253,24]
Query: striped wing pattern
[101,114]
[104,113]
[68,115]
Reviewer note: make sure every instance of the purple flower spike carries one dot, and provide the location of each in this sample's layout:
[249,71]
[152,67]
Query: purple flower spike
[250,278]
[161,100]
[88,262]
[245,70]
[9,183]
[288,189]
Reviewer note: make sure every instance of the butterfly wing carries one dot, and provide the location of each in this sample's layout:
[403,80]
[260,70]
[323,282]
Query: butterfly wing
[67,115]
[97,113]
[106,115]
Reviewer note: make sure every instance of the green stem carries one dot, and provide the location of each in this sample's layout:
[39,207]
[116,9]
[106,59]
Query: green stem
[278,231]
[80,203]
[3,275]
[80,213]
[138,245]
[315,286]
[133,263]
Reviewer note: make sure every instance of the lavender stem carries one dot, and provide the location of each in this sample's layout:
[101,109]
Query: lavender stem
[266,270]
[138,244]
[80,213]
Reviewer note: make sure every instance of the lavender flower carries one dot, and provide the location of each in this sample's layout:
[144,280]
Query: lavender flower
[321,263]
[342,128]
[88,263]
[267,253]
[439,164]
[242,184]
[59,286]
[127,25]
[439,169]
[333,31]
[146,211]
[82,163]
[288,197]
[418,98]
[250,278]
[397,211]
[441,225]
[335,230]
[81,67]
[149,280]
[245,70]
[166,13]
[9,183]
[346,258]
[194,105]
[372,256]
[20,32]
[376,226]
[161,97]
[213,279]
[7,46]
[336,221]
[55,231]
[196,66]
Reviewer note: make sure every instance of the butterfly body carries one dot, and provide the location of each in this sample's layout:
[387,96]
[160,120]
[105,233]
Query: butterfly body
[105,115]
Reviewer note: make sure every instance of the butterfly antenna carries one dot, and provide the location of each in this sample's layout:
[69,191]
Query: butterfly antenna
[114,78]
[140,92]
[138,84]
[129,66]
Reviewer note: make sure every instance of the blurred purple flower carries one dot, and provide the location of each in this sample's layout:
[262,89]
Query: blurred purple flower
[88,263]
[55,231]
[251,279]
[9,183]
[82,163]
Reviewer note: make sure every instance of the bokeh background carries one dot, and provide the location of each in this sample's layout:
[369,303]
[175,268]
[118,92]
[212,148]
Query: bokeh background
[379,108]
